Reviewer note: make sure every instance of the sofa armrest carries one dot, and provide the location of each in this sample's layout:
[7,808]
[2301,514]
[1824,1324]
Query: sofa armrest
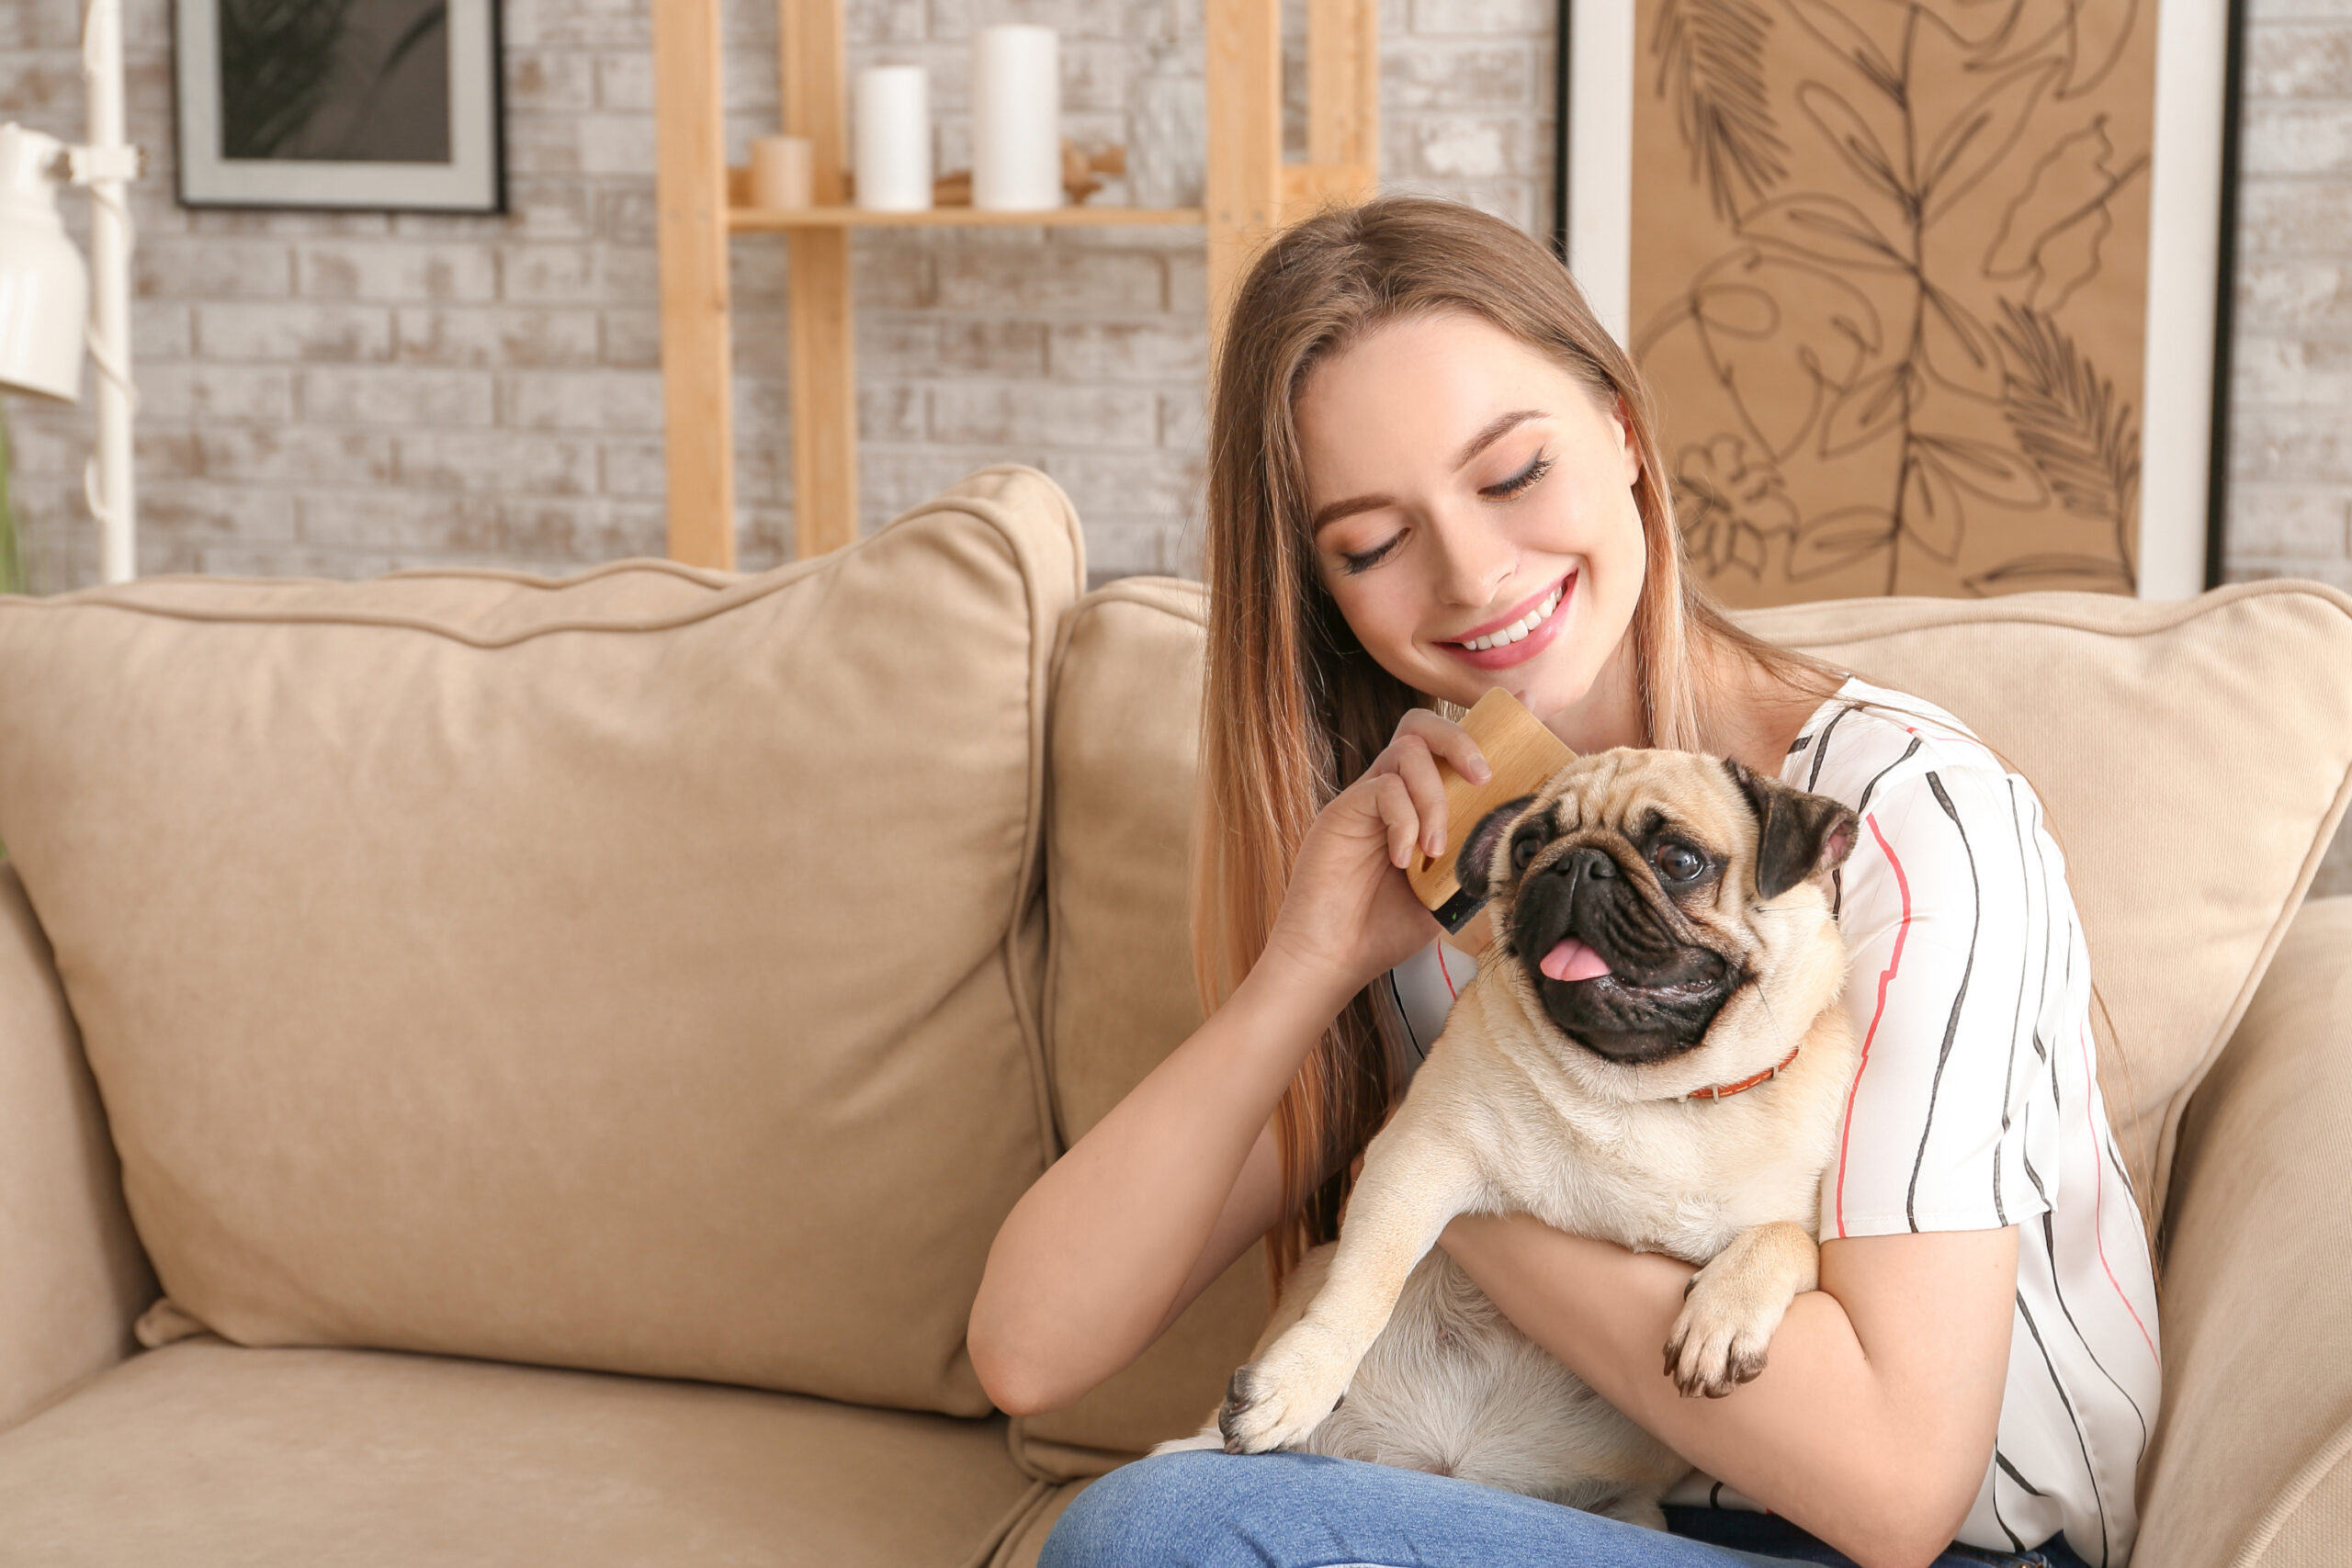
[72,1277]
[2251,1464]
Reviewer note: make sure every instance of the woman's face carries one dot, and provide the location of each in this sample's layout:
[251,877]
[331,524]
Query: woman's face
[1464,490]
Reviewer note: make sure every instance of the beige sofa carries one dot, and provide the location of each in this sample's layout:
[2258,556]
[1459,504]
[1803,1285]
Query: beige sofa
[565,1047]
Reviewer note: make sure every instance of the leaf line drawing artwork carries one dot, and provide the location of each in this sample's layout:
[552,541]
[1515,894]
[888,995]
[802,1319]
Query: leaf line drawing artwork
[1905,242]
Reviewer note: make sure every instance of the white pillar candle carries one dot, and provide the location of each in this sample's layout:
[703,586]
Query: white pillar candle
[1016,118]
[893,139]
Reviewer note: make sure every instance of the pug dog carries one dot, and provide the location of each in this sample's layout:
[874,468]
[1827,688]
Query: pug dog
[1651,1054]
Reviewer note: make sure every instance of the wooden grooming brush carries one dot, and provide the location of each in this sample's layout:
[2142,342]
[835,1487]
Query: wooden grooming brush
[1523,754]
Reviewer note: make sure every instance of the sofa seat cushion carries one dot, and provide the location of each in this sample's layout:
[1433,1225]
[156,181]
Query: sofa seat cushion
[205,1453]
[634,973]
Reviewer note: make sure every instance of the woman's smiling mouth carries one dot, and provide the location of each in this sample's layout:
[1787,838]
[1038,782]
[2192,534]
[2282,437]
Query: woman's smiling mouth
[1518,637]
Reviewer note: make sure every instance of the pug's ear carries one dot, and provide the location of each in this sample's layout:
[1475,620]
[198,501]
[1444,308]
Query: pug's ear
[1472,861]
[1799,834]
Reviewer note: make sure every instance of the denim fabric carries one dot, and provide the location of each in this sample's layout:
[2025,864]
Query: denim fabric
[1213,1510]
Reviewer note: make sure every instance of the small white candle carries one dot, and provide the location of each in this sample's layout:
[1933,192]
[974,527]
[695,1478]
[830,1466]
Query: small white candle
[780,171]
[893,139]
[1016,118]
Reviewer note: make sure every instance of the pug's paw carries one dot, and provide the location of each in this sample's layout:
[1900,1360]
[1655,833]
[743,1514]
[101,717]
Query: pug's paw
[1720,1337]
[1278,1401]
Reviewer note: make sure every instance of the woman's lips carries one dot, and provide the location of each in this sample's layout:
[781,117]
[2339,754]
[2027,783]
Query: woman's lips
[1504,656]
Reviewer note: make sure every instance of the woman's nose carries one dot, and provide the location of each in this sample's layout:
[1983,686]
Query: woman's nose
[1475,561]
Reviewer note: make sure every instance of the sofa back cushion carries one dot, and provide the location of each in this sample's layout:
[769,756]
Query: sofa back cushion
[634,972]
[1119,992]
[2193,756]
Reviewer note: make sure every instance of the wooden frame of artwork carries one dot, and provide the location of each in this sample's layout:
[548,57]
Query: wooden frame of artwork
[1932,293]
[370,104]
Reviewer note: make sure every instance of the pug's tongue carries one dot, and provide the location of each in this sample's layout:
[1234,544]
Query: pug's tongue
[1572,960]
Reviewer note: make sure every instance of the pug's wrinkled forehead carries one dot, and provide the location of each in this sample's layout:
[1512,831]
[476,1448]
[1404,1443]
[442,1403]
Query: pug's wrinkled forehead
[1678,819]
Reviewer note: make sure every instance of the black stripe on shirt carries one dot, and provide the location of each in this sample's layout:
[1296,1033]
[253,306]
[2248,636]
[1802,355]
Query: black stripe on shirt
[1993,1491]
[1864,804]
[2050,1248]
[1951,1023]
[1837,876]
[2049,936]
[2016,1014]
[2003,1460]
[2055,1383]
[2025,1143]
[1821,752]
[1405,1021]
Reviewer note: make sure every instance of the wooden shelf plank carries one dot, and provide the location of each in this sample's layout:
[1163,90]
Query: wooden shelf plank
[751,220]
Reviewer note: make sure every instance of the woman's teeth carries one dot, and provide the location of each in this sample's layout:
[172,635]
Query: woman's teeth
[1518,628]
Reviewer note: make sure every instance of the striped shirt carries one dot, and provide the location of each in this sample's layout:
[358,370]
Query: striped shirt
[1975,1103]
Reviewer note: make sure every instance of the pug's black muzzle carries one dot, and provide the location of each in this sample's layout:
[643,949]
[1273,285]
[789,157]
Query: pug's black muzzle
[1661,992]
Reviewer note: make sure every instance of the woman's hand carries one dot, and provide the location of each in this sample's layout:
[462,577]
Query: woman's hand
[1347,913]
[1873,1419]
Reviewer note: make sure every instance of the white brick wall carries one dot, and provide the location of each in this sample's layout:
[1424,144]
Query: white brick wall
[345,394]
[2290,457]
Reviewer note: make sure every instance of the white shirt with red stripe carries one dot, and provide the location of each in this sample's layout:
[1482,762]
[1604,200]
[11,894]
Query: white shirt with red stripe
[1975,1104]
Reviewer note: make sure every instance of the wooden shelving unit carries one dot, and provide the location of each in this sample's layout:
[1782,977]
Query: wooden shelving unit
[1249,193]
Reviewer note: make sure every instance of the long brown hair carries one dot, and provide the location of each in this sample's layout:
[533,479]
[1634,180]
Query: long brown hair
[1294,707]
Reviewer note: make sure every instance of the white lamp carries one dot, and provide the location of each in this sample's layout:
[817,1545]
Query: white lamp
[44,291]
[49,311]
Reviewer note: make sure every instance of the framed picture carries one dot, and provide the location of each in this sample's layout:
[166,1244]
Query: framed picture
[1933,298]
[366,104]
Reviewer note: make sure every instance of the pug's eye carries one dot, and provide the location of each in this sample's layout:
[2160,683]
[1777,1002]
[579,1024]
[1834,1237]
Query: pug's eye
[1525,848]
[1678,863]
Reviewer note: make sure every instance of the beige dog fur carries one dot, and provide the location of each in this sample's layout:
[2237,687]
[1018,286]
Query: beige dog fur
[1511,1114]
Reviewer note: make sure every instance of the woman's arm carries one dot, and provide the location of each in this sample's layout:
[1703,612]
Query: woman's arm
[1153,1203]
[1161,1195]
[1873,1421]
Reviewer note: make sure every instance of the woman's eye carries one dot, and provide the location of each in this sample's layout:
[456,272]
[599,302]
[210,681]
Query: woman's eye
[1678,863]
[1364,560]
[1537,467]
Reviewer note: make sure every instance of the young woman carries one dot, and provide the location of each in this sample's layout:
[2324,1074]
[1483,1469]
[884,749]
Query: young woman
[1431,473]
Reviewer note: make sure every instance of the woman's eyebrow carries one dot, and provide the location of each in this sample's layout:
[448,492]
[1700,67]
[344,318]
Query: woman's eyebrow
[1495,429]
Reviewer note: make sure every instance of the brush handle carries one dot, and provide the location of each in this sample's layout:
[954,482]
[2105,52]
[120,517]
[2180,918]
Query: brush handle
[1523,755]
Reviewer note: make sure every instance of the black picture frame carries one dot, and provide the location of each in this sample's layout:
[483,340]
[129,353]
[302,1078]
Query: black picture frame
[385,106]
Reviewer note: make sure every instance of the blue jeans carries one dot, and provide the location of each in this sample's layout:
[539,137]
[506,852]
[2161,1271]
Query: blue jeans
[1213,1510]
